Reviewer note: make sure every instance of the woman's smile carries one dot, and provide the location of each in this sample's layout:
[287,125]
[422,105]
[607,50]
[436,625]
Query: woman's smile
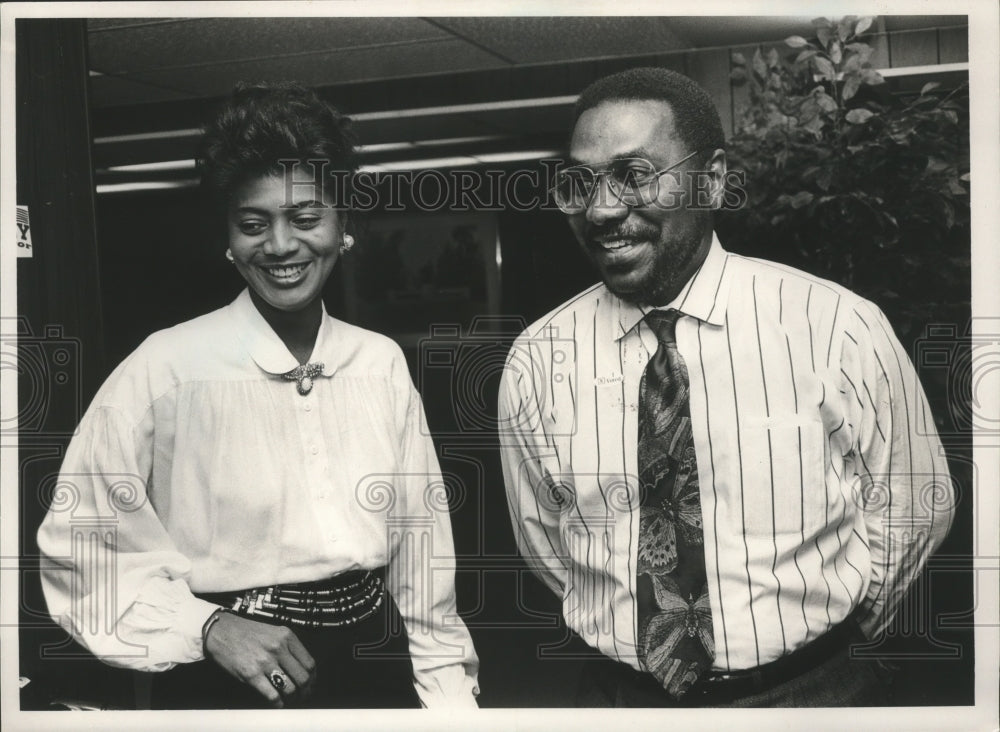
[284,252]
[286,275]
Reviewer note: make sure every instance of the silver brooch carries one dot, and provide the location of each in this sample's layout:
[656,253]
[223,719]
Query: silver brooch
[303,376]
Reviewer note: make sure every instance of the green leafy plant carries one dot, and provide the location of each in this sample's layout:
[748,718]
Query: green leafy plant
[851,182]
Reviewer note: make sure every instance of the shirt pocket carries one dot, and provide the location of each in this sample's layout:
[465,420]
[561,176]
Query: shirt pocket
[784,477]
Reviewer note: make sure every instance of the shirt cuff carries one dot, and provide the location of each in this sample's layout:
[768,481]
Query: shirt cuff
[463,698]
[191,617]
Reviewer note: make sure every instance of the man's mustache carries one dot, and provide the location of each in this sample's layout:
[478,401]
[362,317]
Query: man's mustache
[617,231]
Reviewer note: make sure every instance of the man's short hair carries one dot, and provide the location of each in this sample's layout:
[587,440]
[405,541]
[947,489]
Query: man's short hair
[696,118]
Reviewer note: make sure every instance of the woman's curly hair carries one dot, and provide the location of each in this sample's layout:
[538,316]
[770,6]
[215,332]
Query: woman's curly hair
[261,124]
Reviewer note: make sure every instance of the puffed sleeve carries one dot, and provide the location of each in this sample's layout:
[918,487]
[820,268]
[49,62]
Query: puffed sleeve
[528,460]
[421,572]
[906,490]
[110,573]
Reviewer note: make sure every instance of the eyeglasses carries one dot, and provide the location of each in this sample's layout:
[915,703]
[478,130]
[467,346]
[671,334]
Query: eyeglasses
[628,178]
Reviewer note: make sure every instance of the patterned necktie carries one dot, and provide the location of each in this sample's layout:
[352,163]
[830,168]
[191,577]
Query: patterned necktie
[674,615]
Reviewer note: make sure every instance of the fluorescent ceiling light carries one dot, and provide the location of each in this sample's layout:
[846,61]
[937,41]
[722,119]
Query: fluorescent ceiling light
[918,70]
[394,146]
[910,70]
[514,156]
[153,167]
[400,165]
[140,136]
[393,165]
[466,108]
[363,149]
[417,164]
[374,116]
[145,186]
[457,161]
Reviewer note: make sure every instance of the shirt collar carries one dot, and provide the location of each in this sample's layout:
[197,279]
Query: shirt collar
[704,296]
[268,350]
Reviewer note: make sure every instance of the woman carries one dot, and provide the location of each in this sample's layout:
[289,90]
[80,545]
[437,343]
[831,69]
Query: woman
[262,479]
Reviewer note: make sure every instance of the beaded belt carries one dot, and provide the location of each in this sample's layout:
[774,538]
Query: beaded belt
[344,599]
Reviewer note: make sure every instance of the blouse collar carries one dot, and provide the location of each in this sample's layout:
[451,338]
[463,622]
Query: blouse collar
[268,350]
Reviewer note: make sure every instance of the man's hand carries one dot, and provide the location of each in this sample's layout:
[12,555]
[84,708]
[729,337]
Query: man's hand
[252,651]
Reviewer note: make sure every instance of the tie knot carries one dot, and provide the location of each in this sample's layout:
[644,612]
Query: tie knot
[663,323]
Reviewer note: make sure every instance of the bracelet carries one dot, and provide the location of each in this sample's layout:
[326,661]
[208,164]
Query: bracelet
[212,620]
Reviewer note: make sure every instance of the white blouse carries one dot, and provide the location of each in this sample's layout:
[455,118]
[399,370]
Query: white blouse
[199,468]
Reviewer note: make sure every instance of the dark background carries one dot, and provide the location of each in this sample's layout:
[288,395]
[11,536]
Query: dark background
[112,268]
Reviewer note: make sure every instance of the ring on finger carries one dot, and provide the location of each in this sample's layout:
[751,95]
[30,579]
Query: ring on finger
[278,680]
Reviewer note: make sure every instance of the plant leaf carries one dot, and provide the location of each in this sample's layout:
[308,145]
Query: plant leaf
[929,86]
[825,68]
[863,24]
[871,77]
[851,86]
[955,189]
[809,110]
[796,42]
[739,59]
[859,116]
[820,23]
[863,50]
[800,199]
[824,35]
[824,179]
[826,102]
[773,59]
[759,67]
[835,53]
[936,165]
[805,55]
[846,27]
[738,74]
[815,125]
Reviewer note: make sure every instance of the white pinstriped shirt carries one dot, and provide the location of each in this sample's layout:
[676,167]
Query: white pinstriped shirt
[823,482]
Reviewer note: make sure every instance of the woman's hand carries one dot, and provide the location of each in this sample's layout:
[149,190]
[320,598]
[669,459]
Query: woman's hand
[252,651]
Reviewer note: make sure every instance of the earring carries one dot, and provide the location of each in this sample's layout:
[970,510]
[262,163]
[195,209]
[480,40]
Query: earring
[348,243]
[229,256]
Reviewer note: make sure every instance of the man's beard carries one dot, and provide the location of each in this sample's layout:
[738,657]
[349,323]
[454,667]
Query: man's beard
[670,270]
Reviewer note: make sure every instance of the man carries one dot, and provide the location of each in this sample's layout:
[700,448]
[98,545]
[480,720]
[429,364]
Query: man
[724,467]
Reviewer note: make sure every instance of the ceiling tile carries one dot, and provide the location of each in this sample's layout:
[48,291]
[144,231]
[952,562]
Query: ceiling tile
[105,24]
[708,31]
[511,122]
[324,69]
[191,42]
[914,22]
[534,40]
[108,91]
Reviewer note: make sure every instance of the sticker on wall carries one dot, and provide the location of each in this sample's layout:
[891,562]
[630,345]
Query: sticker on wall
[23,232]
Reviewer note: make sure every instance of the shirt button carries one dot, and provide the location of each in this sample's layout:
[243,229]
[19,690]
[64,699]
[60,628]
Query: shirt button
[309,407]
[315,450]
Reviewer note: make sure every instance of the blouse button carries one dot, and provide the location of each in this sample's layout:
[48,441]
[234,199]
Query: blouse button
[315,450]
[309,407]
